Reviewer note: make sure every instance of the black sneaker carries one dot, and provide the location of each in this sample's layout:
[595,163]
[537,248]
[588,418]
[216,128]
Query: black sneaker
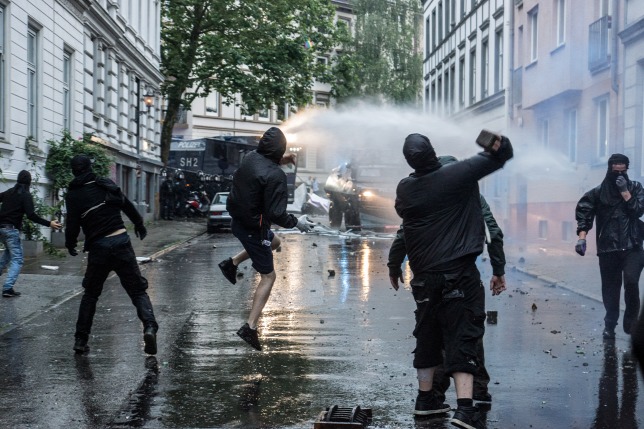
[10,293]
[80,346]
[250,336]
[229,269]
[482,397]
[468,418]
[427,405]
[150,340]
[609,333]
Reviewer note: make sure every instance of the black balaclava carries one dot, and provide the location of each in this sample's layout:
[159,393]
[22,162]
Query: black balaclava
[272,144]
[420,154]
[609,194]
[24,178]
[23,182]
[81,164]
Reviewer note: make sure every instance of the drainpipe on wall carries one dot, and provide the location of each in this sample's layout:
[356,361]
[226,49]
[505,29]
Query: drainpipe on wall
[509,92]
[614,45]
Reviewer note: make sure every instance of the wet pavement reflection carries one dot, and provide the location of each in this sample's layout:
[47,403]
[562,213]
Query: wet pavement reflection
[334,333]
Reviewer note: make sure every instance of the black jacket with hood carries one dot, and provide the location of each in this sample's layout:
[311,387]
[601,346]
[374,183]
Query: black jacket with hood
[95,204]
[441,206]
[259,193]
[617,220]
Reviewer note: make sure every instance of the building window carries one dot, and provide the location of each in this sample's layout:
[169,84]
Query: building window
[212,104]
[2,71]
[452,85]
[427,40]
[427,99]
[602,127]
[485,67]
[561,22]
[32,83]
[461,82]
[434,97]
[67,91]
[544,131]
[498,61]
[434,29]
[322,99]
[440,21]
[462,9]
[439,95]
[346,22]
[571,119]
[567,231]
[534,33]
[473,76]
[543,229]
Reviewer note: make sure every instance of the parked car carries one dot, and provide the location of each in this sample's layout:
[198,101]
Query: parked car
[218,217]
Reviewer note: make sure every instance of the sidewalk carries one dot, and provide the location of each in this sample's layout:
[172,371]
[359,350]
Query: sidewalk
[563,268]
[44,290]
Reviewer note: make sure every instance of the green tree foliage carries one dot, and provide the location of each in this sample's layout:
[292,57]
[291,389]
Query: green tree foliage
[264,50]
[381,60]
[62,151]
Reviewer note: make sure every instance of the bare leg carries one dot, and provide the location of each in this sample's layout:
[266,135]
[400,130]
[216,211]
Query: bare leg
[243,255]
[463,382]
[425,378]
[262,293]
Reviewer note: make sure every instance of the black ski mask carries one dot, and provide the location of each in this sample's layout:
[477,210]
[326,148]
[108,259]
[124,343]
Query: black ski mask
[609,194]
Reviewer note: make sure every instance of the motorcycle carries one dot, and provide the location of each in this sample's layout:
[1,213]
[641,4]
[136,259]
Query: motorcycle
[197,204]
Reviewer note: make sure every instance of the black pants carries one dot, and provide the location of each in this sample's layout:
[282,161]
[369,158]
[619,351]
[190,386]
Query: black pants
[614,266]
[441,380]
[450,316]
[167,207]
[106,255]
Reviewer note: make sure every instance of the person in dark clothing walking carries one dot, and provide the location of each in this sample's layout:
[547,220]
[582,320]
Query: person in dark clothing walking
[95,204]
[617,204]
[494,241]
[16,202]
[257,199]
[444,233]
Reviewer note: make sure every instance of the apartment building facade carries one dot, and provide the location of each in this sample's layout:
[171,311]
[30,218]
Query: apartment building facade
[466,71]
[82,66]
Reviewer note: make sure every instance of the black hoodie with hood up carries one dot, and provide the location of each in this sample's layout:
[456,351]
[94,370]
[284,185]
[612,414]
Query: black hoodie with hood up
[17,202]
[259,193]
[441,206]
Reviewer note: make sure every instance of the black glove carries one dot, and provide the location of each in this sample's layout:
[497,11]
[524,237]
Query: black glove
[581,246]
[622,184]
[72,251]
[140,231]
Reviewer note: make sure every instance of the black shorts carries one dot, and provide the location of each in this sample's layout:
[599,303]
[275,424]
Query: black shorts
[450,315]
[258,248]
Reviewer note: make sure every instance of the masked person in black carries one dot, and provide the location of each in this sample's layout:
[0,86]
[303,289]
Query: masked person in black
[444,233]
[617,203]
[16,202]
[95,204]
[494,241]
[257,199]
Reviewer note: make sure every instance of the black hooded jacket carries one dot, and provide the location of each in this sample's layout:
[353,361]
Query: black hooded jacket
[617,220]
[95,204]
[259,193]
[441,209]
[17,202]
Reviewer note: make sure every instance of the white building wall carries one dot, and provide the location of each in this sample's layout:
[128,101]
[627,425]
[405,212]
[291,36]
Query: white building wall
[109,52]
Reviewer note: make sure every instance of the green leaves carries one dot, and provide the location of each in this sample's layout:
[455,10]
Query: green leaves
[254,48]
[61,153]
[382,59]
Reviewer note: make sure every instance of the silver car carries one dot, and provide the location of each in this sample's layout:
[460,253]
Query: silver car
[218,217]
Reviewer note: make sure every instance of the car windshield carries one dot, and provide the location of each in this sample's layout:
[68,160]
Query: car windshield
[220,199]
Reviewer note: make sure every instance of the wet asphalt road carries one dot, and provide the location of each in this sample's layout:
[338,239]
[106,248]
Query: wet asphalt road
[343,340]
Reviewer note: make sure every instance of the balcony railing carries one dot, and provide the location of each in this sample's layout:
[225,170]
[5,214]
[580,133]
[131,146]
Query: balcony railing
[598,46]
